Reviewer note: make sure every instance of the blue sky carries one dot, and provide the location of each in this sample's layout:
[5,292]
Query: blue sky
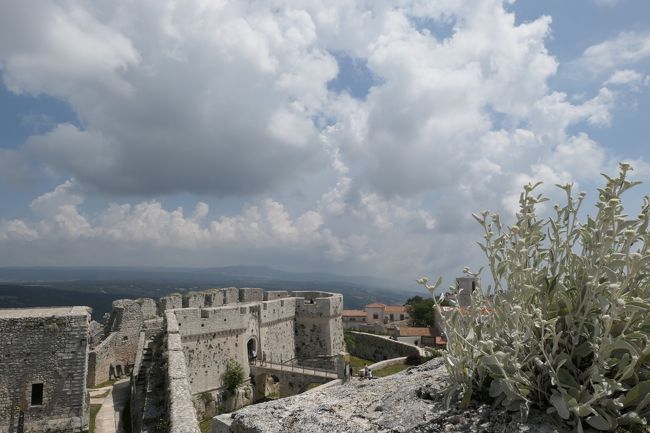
[351,137]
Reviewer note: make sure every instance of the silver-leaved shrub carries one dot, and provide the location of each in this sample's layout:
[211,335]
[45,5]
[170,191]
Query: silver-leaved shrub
[566,328]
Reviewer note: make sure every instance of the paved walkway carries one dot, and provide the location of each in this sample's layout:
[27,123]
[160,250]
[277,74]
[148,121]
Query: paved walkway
[108,417]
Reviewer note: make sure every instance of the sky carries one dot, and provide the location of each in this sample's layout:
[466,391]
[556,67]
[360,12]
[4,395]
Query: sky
[354,137]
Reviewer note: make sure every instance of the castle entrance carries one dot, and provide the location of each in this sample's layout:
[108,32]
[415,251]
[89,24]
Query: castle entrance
[251,347]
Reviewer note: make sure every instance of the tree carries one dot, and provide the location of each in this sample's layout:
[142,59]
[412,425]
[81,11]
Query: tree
[233,377]
[420,311]
[568,327]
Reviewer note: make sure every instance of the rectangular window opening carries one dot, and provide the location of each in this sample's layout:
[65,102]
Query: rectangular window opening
[37,394]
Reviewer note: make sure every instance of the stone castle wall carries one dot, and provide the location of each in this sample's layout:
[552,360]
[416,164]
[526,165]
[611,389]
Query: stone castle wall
[49,347]
[213,336]
[277,330]
[378,348]
[319,328]
[217,325]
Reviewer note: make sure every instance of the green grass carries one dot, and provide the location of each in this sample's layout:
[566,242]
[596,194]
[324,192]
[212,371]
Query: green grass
[94,408]
[357,363]
[387,371]
[206,425]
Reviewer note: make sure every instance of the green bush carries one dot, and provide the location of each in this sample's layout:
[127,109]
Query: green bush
[233,377]
[413,359]
[568,325]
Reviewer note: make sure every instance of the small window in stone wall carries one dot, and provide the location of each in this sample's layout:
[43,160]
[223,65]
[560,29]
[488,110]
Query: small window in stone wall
[375,316]
[68,382]
[401,317]
[37,394]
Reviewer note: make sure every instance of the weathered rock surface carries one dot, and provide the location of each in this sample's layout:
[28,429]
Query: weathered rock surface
[406,402]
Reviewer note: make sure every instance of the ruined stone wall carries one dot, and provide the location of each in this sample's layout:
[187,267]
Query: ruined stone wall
[115,355]
[319,327]
[50,349]
[148,307]
[251,295]
[378,348]
[170,302]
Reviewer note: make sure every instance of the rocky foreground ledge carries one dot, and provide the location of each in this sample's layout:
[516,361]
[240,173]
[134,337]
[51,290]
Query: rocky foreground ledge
[409,401]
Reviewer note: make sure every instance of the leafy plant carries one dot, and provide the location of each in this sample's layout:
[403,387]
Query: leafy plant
[567,327]
[233,377]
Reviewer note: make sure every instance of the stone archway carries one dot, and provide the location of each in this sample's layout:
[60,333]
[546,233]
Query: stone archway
[267,386]
[252,349]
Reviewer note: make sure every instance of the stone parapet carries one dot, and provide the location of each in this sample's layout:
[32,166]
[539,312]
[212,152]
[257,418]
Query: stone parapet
[182,417]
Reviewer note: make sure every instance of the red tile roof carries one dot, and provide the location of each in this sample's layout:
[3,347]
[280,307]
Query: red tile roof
[354,313]
[395,309]
[376,305]
[408,331]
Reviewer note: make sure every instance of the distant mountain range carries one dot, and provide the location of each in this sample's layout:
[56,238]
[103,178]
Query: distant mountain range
[98,286]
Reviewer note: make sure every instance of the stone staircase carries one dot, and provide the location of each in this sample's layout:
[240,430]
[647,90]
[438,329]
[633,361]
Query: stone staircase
[153,391]
[147,358]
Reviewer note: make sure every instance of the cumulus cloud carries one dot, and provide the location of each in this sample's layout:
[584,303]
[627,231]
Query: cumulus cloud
[627,48]
[150,223]
[626,77]
[16,230]
[201,97]
[235,98]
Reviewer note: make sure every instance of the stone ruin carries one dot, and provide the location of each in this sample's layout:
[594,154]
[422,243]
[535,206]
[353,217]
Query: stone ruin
[43,367]
[175,352]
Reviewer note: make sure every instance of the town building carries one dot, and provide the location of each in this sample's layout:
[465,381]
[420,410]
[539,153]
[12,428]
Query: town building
[375,317]
[418,336]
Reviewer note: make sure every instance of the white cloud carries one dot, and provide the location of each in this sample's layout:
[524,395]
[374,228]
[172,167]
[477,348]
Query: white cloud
[626,77]
[231,98]
[72,51]
[49,203]
[16,230]
[627,48]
